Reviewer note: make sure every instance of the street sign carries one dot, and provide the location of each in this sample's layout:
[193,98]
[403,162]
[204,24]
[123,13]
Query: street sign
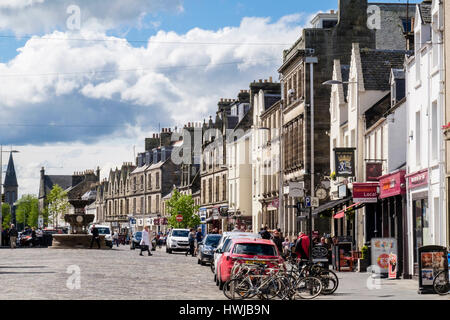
[179,218]
[296,189]
[308,202]
[314,202]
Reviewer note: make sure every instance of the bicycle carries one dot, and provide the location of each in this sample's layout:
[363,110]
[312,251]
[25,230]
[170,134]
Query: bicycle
[441,283]
[253,280]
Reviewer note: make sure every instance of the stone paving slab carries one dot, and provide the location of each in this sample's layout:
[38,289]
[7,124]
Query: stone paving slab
[120,273]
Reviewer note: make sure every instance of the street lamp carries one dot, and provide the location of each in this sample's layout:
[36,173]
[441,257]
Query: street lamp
[1,184]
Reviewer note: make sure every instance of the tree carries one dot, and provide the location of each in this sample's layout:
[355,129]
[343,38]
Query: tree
[6,215]
[57,204]
[27,211]
[182,205]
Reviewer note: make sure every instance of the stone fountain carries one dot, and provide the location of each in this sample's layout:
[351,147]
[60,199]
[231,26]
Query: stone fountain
[80,196]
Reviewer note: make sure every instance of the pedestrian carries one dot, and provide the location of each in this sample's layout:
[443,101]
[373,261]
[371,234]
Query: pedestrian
[40,237]
[198,239]
[191,242]
[302,247]
[116,238]
[236,229]
[146,243]
[286,246]
[13,236]
[95,237]
[278,241]
[33,237]
[265,234]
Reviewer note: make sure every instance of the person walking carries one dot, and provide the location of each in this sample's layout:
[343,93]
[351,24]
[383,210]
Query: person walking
[95,237]
[33,237]
[302,247]
[265,234]
[13,236]
[116,238]
[191,243]
[146,243]
[278,241]
[198,239]
[40,237]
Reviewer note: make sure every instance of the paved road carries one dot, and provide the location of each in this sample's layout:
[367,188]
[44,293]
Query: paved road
[123,274]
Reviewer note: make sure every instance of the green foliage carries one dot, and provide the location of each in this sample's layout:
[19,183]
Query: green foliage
[184,205]
[6,215]
[57,204]
[333,176]
[27,211]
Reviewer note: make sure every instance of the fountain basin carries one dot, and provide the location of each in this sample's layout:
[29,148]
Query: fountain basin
[76,241]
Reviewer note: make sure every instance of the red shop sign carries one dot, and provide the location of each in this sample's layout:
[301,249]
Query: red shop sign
[365,192]
[418,179]
[393,184]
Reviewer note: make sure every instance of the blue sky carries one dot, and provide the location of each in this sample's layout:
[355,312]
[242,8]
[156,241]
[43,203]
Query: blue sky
[210,15]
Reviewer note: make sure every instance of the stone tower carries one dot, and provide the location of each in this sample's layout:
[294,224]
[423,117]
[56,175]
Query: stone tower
[10,185]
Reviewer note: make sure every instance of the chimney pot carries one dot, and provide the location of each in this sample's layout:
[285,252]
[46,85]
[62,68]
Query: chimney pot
[270,79]
[260,80]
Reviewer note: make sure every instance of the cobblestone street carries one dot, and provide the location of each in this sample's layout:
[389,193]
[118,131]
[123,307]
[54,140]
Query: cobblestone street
[123,274]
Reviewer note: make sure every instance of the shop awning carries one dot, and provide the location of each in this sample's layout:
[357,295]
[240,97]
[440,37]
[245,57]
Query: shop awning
[354,206]
[331,205]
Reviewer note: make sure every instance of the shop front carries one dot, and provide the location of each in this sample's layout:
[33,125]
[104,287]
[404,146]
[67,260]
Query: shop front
[419,211]
[393,215]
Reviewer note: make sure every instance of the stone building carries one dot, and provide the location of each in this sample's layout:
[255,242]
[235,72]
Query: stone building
[428,224]
[266,158]
[331,38]
[11,187]
[446,38]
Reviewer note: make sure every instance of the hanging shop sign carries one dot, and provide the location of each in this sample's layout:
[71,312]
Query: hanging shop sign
[344,162]
[373,171]
[382,249]
[365,192]
[418,179]
[392,185]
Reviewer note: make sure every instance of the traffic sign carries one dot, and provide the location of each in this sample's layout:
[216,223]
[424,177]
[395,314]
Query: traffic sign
[296,189]
[179,218]
[314,202]
[308,202]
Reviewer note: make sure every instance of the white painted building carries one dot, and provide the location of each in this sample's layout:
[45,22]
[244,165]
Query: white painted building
[425,148]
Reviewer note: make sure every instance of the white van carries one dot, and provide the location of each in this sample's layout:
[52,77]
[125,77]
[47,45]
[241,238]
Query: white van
[103,230]
[177,240]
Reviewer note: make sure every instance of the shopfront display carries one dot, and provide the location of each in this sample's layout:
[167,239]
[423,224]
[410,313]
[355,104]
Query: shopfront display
[433,259]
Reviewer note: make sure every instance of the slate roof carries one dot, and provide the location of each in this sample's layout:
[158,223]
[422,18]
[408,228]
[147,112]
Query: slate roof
[345,72]
[377,111]
[425,11]
[65,182]
[270,100]
[10,178]
[377,65]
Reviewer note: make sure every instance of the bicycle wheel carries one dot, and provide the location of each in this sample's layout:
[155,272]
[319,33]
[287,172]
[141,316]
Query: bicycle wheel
[441,284]
[308,288]
[330,281]
[236,289]
[286,286]
[271,289]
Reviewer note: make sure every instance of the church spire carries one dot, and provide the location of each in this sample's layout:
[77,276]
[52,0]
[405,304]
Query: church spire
[10,177]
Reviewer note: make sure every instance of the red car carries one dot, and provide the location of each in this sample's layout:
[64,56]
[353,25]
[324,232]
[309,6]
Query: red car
[259,250]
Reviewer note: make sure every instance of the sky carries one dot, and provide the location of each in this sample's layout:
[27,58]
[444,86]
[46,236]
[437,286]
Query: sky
[85,81]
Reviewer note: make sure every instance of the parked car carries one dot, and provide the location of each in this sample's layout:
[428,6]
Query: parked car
[247,250]
[206,248]
[177,240]
[136,240]
[224,241]
[106,231]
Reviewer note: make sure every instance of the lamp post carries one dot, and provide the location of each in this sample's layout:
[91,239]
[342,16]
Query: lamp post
[1,192]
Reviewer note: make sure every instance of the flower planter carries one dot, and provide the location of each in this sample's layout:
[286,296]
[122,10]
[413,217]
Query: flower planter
[363,264]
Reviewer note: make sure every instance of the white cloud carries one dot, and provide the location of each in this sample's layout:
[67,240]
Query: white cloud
[32,16]
[167,82]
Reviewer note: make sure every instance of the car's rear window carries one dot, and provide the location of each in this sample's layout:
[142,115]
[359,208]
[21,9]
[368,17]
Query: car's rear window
[212,240]
[180,233]
[255,249]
